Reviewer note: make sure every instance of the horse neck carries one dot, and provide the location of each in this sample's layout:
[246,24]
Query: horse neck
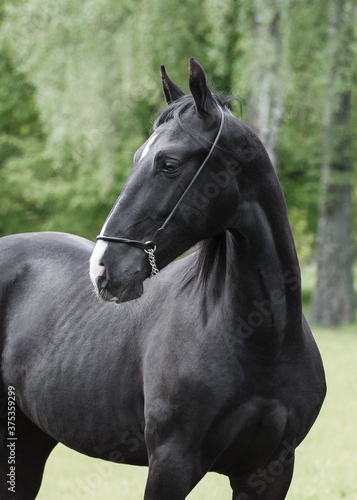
[268,273]
[261,281]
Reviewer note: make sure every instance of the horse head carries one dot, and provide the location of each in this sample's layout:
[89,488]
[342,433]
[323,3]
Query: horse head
[183,188]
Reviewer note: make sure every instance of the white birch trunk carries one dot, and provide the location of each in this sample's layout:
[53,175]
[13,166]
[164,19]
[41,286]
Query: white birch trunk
[267,101]
[333,300]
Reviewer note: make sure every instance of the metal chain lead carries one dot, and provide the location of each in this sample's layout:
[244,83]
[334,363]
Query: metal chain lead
[151,257]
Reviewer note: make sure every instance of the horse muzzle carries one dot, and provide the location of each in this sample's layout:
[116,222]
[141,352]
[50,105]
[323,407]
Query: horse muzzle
[118,273]
[109,291]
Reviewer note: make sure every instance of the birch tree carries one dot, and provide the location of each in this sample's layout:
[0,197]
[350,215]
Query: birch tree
[267,97]
[334,299]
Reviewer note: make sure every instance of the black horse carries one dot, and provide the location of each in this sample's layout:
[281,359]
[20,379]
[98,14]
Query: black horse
[212,367]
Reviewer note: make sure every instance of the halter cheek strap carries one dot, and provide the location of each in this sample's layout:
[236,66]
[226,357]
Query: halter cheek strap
[149,247]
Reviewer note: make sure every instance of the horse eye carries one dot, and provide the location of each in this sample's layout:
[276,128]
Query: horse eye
[170,168]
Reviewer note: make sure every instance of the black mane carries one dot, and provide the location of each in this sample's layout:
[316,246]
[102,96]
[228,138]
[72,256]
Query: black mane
[215,254]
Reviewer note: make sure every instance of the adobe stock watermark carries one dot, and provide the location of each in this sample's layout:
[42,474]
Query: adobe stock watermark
[263,310]
[260,480]
[32,20]
[325,251]
[38,19]
[91,139]
[214,185]
[130,442]
[11,439]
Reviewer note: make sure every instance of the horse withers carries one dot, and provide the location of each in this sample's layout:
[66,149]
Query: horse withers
[209,365]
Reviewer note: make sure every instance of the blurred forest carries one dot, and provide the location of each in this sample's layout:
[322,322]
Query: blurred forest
[80,88]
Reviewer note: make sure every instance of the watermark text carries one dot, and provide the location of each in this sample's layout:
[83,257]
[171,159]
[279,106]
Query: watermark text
[11,439]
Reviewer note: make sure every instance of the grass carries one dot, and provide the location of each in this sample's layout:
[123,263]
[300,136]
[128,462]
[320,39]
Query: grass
[326,462]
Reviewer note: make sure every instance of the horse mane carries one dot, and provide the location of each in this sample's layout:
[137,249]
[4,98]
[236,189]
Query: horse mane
[215,257]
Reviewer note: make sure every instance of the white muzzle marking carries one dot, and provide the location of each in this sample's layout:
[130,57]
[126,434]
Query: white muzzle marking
[95,268]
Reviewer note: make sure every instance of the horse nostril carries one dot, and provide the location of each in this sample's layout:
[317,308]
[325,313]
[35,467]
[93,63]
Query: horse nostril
[101,271]
[101,285]
[101,279]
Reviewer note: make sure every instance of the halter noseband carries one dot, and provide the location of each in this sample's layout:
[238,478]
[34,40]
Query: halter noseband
[149,247]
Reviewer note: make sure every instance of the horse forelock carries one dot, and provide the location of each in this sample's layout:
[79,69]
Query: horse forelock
[177,111]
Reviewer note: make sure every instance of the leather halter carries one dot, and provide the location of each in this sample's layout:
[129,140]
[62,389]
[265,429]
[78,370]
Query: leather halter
[149,247]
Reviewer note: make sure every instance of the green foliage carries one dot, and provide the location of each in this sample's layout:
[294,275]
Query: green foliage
[80,88]
[21,145]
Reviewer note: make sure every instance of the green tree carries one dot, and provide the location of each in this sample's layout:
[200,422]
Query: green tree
[334,300]
[93,68]
[300,134]
[69,52]
[21,145]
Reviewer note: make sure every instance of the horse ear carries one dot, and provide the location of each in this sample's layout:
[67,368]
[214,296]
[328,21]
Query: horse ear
[171,90]
[201,93]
